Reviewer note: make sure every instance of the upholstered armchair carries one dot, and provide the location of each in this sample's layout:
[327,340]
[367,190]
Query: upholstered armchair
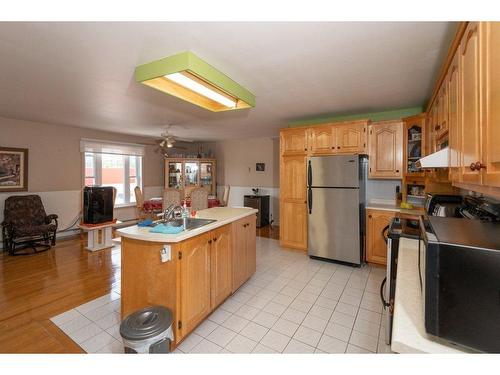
[26,225]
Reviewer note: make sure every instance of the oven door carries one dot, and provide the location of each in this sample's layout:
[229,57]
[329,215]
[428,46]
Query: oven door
[385,287]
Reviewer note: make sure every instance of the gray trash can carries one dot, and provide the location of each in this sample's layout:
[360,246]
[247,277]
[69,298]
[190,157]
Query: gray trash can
[148,330]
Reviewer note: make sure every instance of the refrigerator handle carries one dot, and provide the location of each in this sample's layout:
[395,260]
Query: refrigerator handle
[310,199]
[309,174]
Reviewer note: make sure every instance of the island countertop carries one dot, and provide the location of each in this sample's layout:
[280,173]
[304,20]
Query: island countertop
[223,215]
[408,332]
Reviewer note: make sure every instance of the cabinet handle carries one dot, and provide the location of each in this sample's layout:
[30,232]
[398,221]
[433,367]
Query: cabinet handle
[369,216]
[209,241]
[215,239]
[333,147]
[397,170]
[437,127]
[477,166]
[305,149]
[338,147]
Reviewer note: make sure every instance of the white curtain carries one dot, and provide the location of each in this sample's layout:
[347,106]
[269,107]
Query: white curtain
[108,147]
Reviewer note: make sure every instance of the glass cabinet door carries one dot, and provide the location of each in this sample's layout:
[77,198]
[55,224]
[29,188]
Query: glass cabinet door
[206,176]
[190,174]
[175,175]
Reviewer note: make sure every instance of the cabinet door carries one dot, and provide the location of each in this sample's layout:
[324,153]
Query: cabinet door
[195,281]
[469,103]
[293,141]
[430,130]
[251,234]
[293,178]
[442,126]
[323,139]
[454,138]
[239,249]
[293,224]
[351,138]
[386,150]
[490,60]
[376,248]
[220,261]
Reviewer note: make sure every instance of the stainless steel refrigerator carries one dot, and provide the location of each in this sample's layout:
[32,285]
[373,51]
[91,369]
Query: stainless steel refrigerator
[336,203]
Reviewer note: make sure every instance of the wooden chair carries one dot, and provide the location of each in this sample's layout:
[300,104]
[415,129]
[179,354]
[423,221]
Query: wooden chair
[139,201]
[225,196]
[171,196]
[199,199]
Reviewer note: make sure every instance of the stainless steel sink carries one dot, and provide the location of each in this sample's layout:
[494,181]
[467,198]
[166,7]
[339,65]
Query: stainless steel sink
[191,222]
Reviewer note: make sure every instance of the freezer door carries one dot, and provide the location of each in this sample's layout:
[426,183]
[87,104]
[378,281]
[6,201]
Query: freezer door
[333,224]
[333,171]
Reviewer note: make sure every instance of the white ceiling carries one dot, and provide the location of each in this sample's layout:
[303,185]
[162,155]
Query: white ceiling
[81,74]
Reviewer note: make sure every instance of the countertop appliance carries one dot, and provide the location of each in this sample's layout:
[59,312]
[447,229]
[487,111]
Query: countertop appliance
[336,203]
[442,204]
[261,203]
[459,269]
[398,227]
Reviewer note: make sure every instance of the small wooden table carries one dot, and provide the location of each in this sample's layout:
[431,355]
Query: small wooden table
[99,237]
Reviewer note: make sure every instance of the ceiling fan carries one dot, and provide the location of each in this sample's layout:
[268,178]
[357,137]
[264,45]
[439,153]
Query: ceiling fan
[168,141]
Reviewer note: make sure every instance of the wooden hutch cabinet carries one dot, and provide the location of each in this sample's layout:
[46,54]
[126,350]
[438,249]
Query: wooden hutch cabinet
[188,173]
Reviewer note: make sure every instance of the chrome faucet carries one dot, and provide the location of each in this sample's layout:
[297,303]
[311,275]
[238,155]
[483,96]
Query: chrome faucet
[169,212]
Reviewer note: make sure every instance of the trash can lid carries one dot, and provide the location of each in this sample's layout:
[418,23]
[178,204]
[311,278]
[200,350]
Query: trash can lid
[146,323]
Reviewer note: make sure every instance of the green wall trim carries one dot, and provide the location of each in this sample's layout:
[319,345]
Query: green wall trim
[374,116]
[189,61]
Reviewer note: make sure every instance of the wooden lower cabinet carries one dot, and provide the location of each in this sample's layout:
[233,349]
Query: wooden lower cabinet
[198,278]
[195,278]
[293,224]
[376,248]
[243,254]
[220,265]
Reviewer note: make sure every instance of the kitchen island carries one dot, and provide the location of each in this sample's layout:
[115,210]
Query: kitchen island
[191,272]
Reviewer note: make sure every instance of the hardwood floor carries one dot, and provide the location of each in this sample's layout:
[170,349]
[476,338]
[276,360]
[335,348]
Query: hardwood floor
[37,287]
[269,231]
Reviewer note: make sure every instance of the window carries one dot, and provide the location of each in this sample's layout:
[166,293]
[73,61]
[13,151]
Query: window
[117,165]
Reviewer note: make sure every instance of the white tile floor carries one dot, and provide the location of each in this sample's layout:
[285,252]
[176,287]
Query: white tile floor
[292,304]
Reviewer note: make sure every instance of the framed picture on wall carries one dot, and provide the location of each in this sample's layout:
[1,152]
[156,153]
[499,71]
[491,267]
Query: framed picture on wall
[13,169]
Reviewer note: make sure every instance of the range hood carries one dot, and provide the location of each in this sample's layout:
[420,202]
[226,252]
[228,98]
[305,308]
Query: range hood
[439,159]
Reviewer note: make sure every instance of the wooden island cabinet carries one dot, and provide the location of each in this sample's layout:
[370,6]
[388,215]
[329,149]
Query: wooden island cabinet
[204,270]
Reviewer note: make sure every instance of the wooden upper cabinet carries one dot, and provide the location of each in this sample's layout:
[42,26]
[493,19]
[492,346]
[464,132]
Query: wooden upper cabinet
[195,280]
[322,139]
[469,103]
[386,149]
[490,59]
[293,178]
[352,137]
[454,136]
[293,141]
[220,263]
[442,123]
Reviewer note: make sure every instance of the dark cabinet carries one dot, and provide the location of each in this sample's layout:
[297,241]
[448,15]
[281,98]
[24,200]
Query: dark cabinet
[261,203]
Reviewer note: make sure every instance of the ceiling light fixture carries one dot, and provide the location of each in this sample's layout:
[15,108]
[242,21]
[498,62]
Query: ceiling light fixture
[188,77]
[191,84]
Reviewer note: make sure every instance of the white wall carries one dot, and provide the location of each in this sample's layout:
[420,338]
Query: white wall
[236,161]
[381,189]
[237,193]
